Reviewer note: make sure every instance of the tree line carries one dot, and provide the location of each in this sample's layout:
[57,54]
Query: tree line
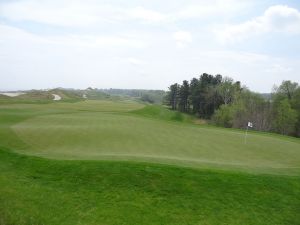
[149,96]
[226,103]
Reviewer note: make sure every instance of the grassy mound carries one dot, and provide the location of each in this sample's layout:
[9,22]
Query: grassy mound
[67,95]
[40,97]
[162,113]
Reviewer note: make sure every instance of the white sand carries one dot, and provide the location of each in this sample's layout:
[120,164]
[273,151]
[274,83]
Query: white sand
[56,97]
[12,94]
[84,96]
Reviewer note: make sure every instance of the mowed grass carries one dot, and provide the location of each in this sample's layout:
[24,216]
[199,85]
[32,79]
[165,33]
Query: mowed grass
[104,162]
[92,133]
[39,191]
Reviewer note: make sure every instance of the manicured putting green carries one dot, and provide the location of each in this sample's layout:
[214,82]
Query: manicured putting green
[99,135]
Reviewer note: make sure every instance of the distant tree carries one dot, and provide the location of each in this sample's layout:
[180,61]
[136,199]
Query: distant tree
[228,90]
[287,88]
[147,98]
[295,103]
[184,92]
[252,107]
[285,117]
[224,116]
[173,96]
[290,92]
[195,95]
[228,104]
[208,96]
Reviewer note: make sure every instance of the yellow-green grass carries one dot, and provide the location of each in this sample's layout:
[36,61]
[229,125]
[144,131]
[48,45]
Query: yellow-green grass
[88,105]
[98,130]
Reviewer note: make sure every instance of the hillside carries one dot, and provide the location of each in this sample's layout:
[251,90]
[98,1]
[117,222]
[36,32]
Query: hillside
[42,96]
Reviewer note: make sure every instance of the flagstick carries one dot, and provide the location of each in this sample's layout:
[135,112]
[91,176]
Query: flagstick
[246,133]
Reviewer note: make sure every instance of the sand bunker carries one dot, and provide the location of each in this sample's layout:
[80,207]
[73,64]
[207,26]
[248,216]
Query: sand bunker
[12,94]
[56,97]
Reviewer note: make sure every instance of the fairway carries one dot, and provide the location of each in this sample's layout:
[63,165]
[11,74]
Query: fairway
[105,131]
[95,135]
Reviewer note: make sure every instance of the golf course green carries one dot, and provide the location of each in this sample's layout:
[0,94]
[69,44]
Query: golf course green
[122,162]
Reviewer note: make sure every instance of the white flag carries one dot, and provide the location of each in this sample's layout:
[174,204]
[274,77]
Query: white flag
[250,124]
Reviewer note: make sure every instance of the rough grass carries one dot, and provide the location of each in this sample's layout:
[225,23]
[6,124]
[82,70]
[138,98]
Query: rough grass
[42,191]
[162,113]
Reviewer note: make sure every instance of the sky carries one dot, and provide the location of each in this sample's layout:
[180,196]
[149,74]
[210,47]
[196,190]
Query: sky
[146,44]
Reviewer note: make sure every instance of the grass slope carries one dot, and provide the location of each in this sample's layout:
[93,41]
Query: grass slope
[162,113]
[40,191]
[42,97]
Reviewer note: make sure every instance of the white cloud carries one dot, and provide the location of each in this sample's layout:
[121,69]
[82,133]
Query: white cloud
[55,13]
[239,57]
[96,41]
[259,72]
[32,61]
[75,13]
[182,38]
[135,61]
[279,69]
[75,43]
[278,18]
[12,33]
[210,8]
[78,13]
[145,14]
[90,41]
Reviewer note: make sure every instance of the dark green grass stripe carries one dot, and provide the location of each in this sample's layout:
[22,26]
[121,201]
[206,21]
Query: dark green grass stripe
[42,191]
